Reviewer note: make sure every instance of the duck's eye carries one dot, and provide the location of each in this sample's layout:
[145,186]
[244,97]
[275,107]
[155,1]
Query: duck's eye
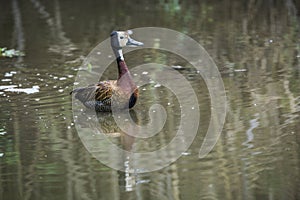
[121,37]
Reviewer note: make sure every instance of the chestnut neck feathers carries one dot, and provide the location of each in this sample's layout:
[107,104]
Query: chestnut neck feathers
[125,80]
[122,67]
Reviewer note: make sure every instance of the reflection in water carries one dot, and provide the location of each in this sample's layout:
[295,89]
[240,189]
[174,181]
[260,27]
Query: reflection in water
[256,47]
[18,29]
[105,124]
[62,45]
[249,133]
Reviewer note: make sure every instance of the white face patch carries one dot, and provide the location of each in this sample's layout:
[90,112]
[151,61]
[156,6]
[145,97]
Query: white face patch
[122,38]
[119,39]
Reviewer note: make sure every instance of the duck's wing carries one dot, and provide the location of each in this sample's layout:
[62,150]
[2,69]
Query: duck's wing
[97,96]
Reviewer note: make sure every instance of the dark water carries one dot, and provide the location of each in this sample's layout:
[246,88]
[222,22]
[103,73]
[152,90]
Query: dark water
[255,45]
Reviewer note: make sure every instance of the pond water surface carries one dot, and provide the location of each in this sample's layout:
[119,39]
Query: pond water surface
[256,46]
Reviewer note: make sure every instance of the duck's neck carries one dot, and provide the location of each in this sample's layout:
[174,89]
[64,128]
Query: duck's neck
[125,80]
[122,67]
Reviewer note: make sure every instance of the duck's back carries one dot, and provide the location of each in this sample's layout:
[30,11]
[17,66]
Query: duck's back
[98,97]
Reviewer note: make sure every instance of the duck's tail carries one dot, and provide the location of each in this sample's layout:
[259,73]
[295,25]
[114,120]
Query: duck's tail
[76,90]
[84,94]
[73,91]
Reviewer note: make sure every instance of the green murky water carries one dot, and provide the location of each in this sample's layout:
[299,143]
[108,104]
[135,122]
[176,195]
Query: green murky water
[255,45]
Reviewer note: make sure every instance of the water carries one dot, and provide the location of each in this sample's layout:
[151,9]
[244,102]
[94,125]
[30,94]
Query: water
[256,48]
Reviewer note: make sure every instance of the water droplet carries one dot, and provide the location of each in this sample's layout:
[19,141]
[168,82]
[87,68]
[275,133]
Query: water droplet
[143,181]
[7,74]
[185,153]
[157,85]
[2,87]
[62,78]
[178,67]
[240,70]
[2,132]
[34,89]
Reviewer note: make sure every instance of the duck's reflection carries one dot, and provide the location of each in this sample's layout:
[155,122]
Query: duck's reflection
[127,179]
[97,131]
[110,128]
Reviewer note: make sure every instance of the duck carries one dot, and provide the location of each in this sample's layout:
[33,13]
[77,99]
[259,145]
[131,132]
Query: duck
[123,92]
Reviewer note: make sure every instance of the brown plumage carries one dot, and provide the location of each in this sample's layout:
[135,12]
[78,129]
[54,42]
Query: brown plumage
[121,93]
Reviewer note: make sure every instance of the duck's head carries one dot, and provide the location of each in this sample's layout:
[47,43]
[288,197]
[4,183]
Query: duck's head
[120,39]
